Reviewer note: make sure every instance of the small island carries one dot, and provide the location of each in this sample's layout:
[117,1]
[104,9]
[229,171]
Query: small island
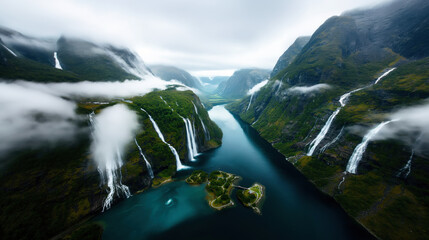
[219,187]
[252,197]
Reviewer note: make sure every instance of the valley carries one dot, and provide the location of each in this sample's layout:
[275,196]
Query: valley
[210,139]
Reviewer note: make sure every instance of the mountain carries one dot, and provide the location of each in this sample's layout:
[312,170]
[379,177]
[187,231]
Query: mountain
[51,187]
[241,82]
[169,73]
[347,113]
[289,55]
[78,59]
[75,148]
[210,84]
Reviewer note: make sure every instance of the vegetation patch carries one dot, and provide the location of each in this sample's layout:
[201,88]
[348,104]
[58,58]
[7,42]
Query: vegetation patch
[252,197]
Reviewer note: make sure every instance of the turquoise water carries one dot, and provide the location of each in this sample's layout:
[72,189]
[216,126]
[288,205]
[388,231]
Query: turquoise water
[293,208]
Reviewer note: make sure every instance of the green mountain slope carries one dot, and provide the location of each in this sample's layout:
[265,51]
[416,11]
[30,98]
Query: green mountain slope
[346,53]
[51,188]
[12,67]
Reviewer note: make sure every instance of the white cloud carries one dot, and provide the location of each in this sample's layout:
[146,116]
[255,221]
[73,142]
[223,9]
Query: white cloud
[305,89]
[191,34]
[257,87]
[33,114]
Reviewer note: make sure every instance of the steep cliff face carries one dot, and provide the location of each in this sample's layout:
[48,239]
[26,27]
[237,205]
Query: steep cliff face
[289,55]
[305,111]
[241,82]
[53,187]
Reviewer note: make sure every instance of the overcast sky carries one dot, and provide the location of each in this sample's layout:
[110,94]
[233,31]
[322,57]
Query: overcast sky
[197,35]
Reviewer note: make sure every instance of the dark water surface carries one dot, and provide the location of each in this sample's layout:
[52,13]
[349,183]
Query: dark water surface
[293,207]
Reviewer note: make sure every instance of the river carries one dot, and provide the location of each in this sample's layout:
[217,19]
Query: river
[293,208]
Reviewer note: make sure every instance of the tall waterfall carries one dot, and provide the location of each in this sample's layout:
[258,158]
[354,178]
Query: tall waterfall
[57,62]
[179,165]
[343,102]
[322,132]
[10,51]
[195,107]
[149,167]
[107,145]
[190,136]
[250,102]
[206,133]
[360,149]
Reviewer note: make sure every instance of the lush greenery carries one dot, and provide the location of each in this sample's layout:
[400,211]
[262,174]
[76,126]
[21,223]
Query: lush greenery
[252,197]
[48,189]
[21,68]
[219,188]
[197,177]
[338,54]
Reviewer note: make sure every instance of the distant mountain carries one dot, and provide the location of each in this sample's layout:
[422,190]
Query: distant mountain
[211,83]
[169,73]
[325,113]
[241,82]
[289,55]
[79,59]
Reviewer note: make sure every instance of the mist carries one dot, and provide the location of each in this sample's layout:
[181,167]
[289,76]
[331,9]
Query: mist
[411,127]
[34,114]
[32,118]
[112,129]
[309,89]
[257,87]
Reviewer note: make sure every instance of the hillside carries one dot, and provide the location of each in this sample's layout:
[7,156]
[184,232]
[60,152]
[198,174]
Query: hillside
[53,188]
[306,113]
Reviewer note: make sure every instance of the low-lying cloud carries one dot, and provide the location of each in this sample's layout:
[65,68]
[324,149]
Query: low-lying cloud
[31,117]
[309,89]
[411,127]
[257,87]
[34,114]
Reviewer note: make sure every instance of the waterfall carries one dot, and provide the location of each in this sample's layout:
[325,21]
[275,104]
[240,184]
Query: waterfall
[322,133]
[341,182]
[57,62]
[333,141]
[195,107]
[343,102]
[360,149]
[166,103]
[206,133]
[149,167]
[407,168]
[10,51]
[108,142]
[179,165]
[250,102]
[190,137]
[383,75]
